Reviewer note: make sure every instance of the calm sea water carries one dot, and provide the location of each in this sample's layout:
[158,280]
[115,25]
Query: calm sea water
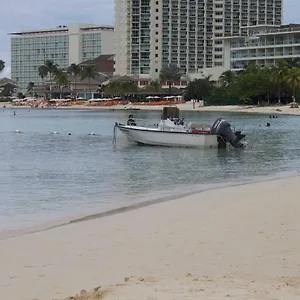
[46,176]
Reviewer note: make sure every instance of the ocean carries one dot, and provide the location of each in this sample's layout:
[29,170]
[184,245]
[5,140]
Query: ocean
[48,179]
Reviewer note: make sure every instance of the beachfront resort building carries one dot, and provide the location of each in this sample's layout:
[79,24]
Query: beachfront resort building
[64,45]
[151,34]
[263,46]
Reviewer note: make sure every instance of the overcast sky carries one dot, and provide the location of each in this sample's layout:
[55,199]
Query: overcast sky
[17,15]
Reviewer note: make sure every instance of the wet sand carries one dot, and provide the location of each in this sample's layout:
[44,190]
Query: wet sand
[238,242]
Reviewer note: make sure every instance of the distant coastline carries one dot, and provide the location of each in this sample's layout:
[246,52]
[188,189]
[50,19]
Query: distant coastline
[188,106]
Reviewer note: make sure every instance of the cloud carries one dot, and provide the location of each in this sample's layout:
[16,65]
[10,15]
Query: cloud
[36,14]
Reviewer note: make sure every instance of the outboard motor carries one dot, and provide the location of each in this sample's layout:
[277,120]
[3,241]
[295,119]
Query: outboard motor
[223,130]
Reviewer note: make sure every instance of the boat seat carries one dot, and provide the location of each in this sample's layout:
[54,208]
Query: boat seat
[193,125]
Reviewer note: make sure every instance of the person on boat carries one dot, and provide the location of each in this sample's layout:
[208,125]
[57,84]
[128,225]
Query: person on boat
[131,121]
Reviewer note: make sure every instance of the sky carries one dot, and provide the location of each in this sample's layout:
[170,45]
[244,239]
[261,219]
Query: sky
[17,15]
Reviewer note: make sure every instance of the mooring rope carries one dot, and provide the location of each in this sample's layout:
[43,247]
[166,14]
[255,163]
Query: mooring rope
[115,134]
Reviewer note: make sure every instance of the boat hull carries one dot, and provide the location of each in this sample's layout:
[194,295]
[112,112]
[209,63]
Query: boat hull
[157,137]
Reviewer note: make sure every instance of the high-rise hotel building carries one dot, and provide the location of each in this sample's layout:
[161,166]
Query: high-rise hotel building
[64,45]
[153,33]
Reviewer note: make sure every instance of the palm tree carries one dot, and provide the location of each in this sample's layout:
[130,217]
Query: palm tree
[293,79]
[61,78]
[74,70]
[43,72]
[128,87]
[89,73]
[227,77]
[171,74]
[154,86]
[267,83]
[279,77]
[30,87]
[112,88]
[2,65]
[51,68]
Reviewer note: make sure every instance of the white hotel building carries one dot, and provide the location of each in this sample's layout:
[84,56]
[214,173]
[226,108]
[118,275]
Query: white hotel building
[64,45]
[264,45]
[153,33]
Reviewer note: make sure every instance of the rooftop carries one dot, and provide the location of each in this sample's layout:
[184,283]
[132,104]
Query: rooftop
[4,81]
[263,30]
[259,30]
[64,29]
[92,62]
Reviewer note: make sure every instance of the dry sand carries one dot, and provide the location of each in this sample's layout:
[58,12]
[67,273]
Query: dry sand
[269,110]
[238,242]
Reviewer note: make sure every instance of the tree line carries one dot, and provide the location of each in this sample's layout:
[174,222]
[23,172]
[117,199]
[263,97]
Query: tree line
[2,65]
[61,76]
[6,91]
[253,85]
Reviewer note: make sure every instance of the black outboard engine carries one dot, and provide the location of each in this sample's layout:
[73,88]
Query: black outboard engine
[223,130]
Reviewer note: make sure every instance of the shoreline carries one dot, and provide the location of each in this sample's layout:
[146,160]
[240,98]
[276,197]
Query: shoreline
[52,224]
[231,237]
[268,110]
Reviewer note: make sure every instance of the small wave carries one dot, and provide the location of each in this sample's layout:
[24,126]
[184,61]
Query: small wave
[9,233]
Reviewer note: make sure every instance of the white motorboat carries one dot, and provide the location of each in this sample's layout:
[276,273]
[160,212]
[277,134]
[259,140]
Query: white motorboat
[172,131]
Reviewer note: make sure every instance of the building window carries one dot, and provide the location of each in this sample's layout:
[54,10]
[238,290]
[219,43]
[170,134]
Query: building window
[218,64]
[156,70]
[218,49]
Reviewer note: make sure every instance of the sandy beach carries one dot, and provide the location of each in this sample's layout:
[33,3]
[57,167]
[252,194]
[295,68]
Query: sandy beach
[188,106]
[238,242]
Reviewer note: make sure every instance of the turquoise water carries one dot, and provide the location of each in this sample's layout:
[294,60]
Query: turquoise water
[46,177]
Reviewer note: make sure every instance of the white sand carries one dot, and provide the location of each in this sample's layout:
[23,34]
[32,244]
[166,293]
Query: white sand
[250,234]
[269,110]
